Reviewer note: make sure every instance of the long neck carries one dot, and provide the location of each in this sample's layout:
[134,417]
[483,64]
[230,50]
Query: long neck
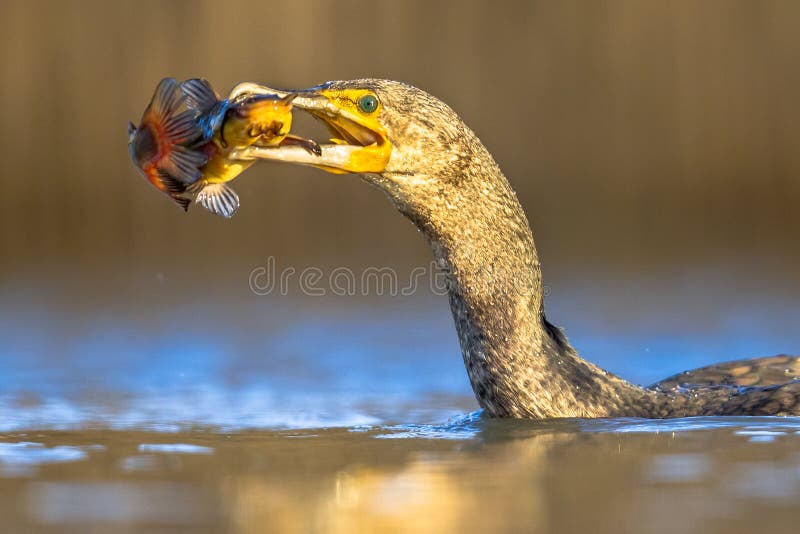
[519,365]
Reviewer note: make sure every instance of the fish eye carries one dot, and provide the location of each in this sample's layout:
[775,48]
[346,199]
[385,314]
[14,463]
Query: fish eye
[368,103]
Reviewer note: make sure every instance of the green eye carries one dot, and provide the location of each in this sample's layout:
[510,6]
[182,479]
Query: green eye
[368,103]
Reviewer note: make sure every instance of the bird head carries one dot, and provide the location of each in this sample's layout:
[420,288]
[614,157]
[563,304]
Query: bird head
[392,132]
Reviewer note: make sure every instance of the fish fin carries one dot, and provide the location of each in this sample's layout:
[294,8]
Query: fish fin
[179,127]
[200,96]
[174,189]
[195,187]
[166,99]
[183,164]
[182,128]
[219,199]
[171,185]
[183,202]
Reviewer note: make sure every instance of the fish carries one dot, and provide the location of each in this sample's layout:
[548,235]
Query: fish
[161,146]
[230,125]
[187,135]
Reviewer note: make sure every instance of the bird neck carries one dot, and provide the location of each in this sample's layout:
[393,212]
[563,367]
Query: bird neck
[518,364]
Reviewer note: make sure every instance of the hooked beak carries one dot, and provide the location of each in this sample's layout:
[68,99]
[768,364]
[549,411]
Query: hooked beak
[359,144]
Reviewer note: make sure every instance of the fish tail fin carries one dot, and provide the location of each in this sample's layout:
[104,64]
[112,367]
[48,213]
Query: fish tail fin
[166,99]
[200,96]
[169,113]
[219,199]
[174,125]
[184,164]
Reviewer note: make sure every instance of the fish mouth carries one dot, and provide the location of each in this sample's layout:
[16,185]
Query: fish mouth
[359,142]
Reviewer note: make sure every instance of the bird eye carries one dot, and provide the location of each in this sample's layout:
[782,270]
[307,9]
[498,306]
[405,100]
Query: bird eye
[368,103]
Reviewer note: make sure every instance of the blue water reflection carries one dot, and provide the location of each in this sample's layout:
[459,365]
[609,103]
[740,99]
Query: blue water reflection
[290,365]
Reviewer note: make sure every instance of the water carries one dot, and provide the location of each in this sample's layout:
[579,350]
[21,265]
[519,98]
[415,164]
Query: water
[470,475]
[288,416]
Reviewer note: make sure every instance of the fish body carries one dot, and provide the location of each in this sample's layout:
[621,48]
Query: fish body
[228,125]
[184,142]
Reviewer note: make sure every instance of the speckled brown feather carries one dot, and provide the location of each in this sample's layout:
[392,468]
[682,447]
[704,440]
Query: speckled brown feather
[770,371]
[444,180]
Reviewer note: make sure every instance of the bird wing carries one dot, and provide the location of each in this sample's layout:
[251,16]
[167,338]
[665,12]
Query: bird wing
[759,372]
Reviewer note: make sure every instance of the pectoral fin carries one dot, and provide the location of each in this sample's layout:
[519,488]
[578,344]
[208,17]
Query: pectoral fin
[219,199]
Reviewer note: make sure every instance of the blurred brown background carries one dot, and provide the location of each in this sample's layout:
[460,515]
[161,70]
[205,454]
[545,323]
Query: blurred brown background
[647,140]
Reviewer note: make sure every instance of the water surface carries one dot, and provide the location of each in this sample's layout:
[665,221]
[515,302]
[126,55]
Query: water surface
[469,475]
[287,416]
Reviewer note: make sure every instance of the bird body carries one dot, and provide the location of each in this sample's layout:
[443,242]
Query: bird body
[438,174]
